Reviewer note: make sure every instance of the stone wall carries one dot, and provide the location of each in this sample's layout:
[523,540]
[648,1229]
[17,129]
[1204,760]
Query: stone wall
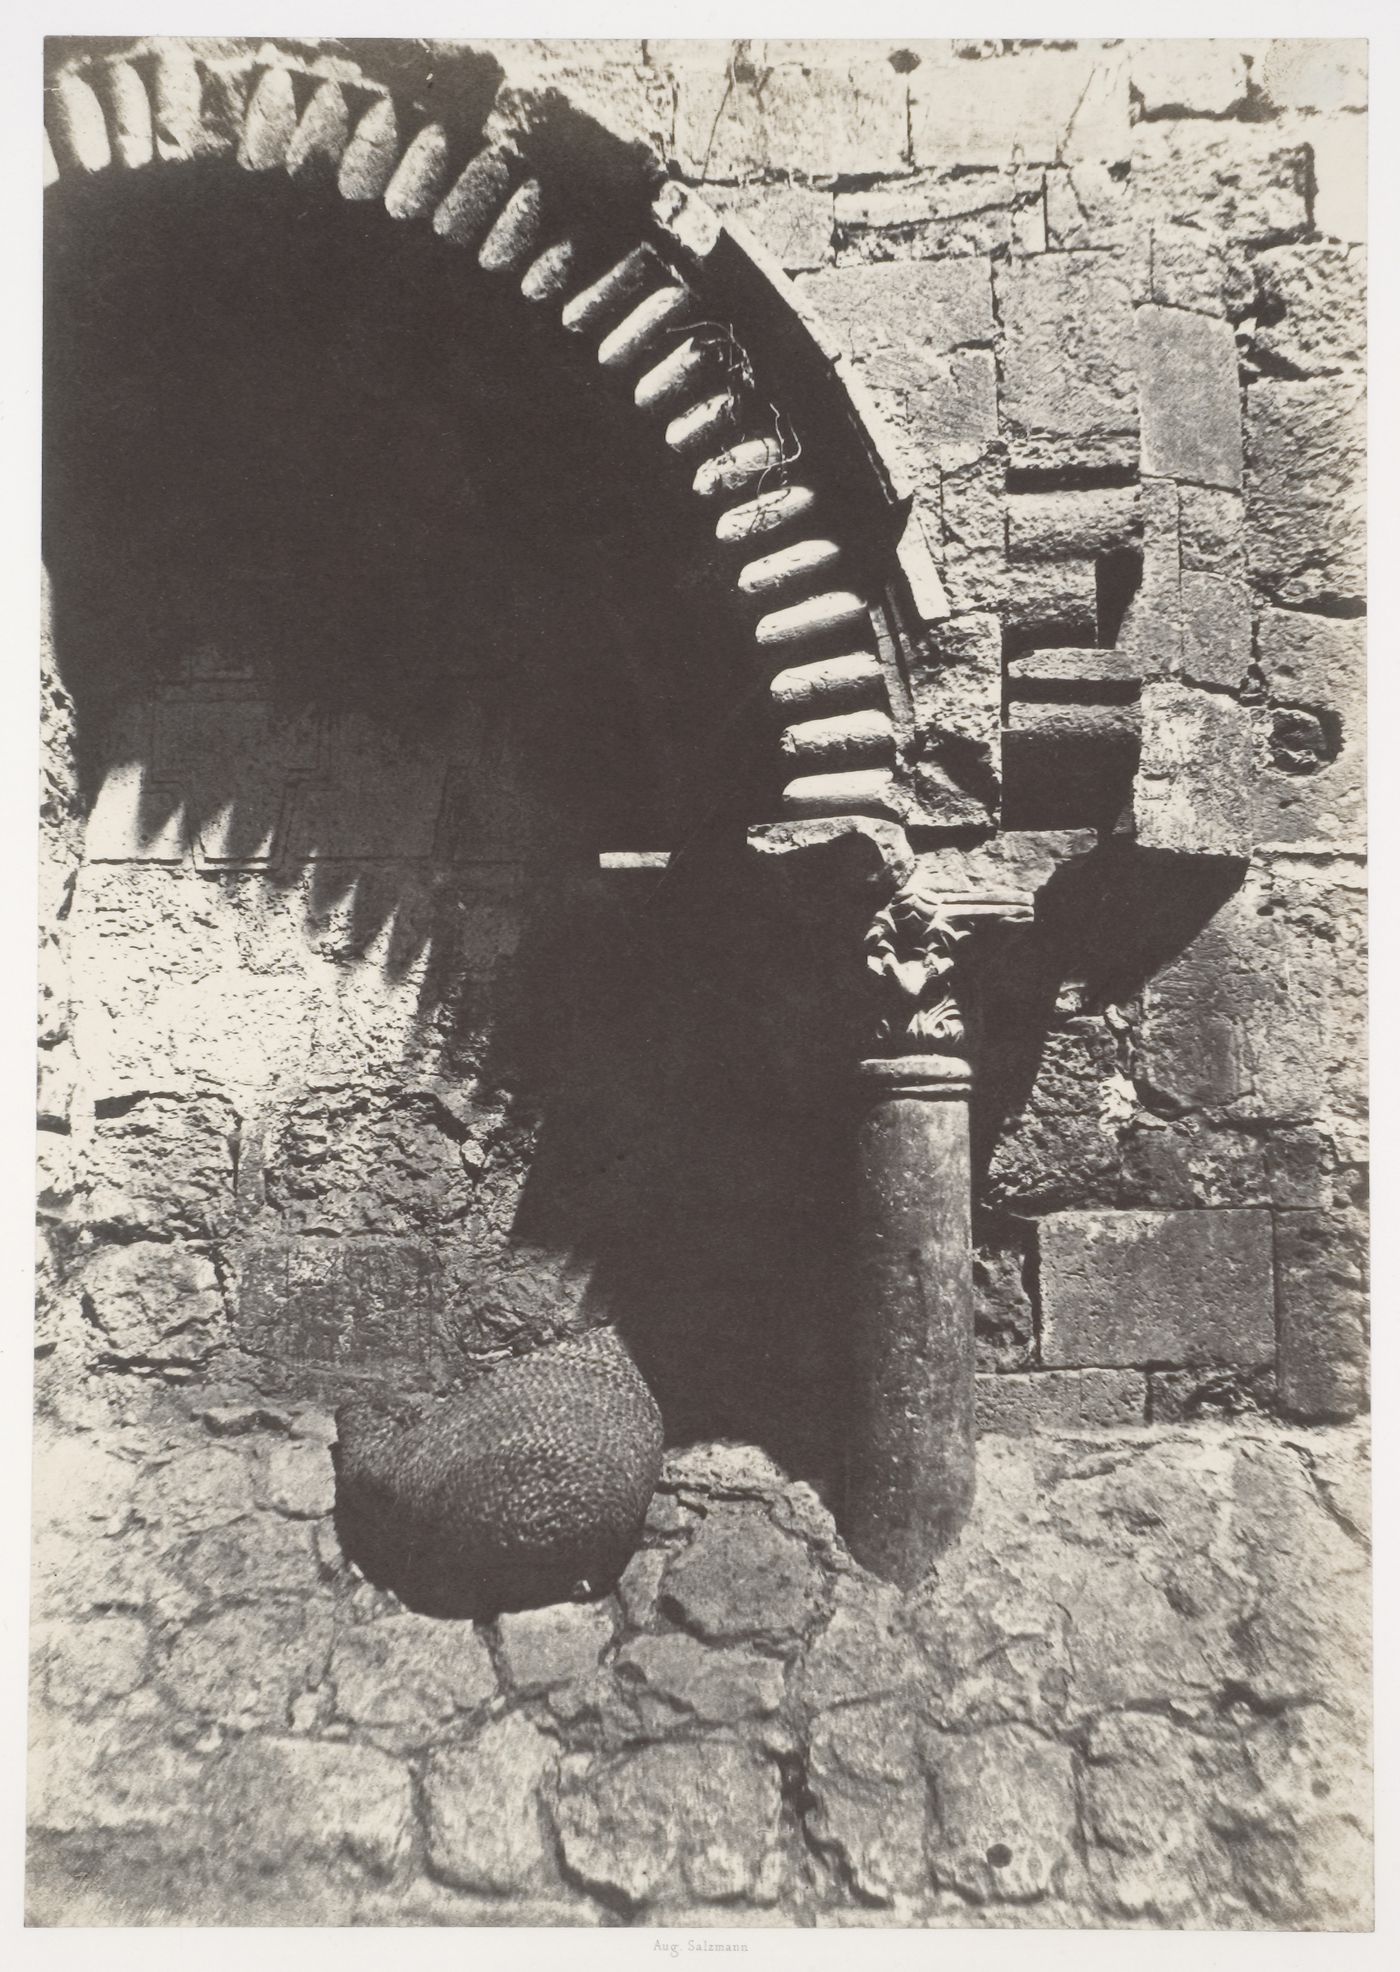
[354,1070]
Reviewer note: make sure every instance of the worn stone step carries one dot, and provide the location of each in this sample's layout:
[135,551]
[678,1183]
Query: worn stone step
[77,126]
[600,305]
[550,274]
[866,791]
[637,332]
[372,153]
[270,123]
[770,513]
[817,616]
[129,116]
[707,423]
[789,568]
[510,245]
[1076,667]
[738,468]
[829,683]
[421,175]
[318,143]
[849,739]
[677,376]
[466,214]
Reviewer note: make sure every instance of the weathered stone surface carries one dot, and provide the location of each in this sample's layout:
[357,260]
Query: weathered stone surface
[192,1491]
[1217,633]
[258,1555]
[794,222]
[485,1827]
[410,1674]
[815,123]
[1306,491]
[1151,1853]
[931,216]
[1189,268]
[355,1160]
[151,1303]
[1070,525]
[1053,1148]
[106,1779]
[1312,660]
[541,1647]
[1058,596]
[740,1577]
[1004,1839]
[1202,78]
[162,1164]
[244,1666]
[677,1678]
[1145,1287]
[299,1479]
[870,1800]
[1311,307]
[1188,380]
[1043,106]
[1068,393]
[1325,74]
[275,1802]
[1056,1400]
[671,1823]
[1196,773]
[1322,1352]
[1312,787]
[88,1665]
[864,1651]
[1241,181]
[897,319]
[1211,531]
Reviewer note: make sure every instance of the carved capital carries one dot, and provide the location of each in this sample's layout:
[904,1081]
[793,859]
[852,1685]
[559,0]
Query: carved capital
[913,949]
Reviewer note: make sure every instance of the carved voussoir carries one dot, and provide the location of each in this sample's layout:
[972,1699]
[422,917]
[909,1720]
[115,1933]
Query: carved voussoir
[830,684]
[788,568]
[372,153]
[466,214]
[421,175]
[549,275]
[319,140]
[629,342]
[770,513]
[704,423]
[677,376]
[757,459]
[608,297]
[837,610]
[270,123]
[77,126]
[510,244]
[129,105]
[848,739]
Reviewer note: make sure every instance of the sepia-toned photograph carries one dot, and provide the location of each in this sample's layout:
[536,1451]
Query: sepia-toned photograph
[702,1024]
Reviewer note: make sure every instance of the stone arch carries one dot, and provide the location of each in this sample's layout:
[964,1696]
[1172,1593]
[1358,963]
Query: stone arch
[692,317]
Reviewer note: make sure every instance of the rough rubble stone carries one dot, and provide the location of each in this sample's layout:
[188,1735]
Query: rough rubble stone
[1153,1287]
[864,1651]
[1312,660]
[152,1303]
[676,1677]
[243,1667]
[273,1802]
[541,1647]
[162,1165]
[1306,491]
[299,1479]
[485,1828]
[87,1665]
[673,1823]
[870,1800]
[1188,380]
[410,1674]
[194,1490]
[1150,1852]
[740,1577]
[1007,1814]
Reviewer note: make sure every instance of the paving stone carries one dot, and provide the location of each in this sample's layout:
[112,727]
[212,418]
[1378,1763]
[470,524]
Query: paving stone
[1188,378]
[864,1651]
[1156,1287]
[677,1677]
[673,1823]
[541,1647]
[87,1665]
[410,1673]
[484,1813]
[1007,1813]
[243,1665]
[870,1802]
[1322,1340]
[1306,491]
[299,1479]
[1068,390]
[277,1802]
[740,1577]
[111,1779]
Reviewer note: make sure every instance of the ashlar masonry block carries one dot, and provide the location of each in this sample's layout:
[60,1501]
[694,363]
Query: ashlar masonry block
[1067,391]
[1129,1288]
[1196,775]
[1188,380]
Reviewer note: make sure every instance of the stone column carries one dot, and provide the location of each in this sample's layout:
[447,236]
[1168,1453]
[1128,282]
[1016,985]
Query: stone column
[910,1447]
